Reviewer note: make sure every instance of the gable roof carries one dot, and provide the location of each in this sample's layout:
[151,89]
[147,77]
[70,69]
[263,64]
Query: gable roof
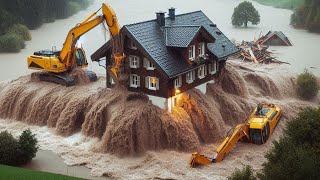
[151,38]
[180,36]
[279,34]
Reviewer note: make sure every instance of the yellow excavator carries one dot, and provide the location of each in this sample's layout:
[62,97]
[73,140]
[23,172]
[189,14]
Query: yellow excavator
[257,130]
[56,66]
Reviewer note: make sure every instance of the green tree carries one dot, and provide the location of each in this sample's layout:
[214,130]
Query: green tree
[9,146]
[245,12]
[17,152]
[307,86]
[11,43]
[297,154]
[27,147]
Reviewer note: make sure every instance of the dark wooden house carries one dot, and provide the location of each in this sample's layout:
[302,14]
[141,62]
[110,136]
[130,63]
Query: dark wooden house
[275,38]
[170,55]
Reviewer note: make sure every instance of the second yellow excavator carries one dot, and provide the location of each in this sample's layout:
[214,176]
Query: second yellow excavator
[55,65]
[257,130]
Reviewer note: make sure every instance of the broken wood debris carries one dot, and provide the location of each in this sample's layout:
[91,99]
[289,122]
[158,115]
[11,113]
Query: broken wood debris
[256,52]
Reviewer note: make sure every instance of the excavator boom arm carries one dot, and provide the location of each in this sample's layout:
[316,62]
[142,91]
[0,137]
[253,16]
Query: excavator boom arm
[75,33]
[240,132]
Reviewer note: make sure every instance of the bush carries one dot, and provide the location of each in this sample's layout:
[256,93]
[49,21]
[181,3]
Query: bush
[8,150]
[11,43]
[21,30]
[307,86]
[297,154]
[245,174]
[27,147]
[14,152]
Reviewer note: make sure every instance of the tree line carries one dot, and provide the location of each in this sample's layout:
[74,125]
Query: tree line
[21,15]
[307,16]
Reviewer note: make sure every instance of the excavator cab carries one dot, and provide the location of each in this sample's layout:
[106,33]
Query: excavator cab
[80,58]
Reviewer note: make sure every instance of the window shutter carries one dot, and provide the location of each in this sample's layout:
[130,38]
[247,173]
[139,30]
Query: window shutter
[131,80]
[157,84]
[147,82]
[193,75]
[130,61]
[138,62]
[145,63]
[138,77]
[205,70]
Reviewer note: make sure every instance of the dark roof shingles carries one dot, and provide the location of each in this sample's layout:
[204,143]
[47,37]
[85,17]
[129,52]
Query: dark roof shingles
[180,36]
[152,38]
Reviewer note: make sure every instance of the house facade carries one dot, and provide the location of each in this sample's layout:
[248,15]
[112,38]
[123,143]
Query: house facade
[170,55]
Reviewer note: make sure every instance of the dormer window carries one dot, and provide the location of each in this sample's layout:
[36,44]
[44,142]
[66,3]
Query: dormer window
[192,52]
[132,45]
[201,49]
[148,65]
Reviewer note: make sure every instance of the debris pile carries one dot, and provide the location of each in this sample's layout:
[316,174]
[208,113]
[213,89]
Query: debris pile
[256,52]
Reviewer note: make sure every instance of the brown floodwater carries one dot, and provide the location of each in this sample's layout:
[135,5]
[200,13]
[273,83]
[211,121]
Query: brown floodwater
[304,53]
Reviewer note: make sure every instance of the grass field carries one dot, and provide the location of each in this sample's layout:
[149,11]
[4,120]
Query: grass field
[286,4]
[8,173]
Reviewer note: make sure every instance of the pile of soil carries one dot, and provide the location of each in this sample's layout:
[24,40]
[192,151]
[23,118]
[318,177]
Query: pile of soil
[128,123]
[93,120]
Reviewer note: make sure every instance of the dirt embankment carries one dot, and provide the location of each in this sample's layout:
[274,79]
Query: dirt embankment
[128,123]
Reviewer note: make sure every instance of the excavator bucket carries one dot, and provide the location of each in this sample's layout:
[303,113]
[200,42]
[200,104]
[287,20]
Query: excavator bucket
[198,159]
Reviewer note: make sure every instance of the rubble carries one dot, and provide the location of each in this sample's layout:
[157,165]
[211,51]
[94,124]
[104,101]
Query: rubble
[256,52]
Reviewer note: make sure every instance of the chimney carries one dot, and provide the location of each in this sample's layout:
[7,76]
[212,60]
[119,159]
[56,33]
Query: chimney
[161,19]
[172,13]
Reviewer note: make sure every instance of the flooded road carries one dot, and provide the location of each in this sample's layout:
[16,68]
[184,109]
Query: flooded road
[304,53]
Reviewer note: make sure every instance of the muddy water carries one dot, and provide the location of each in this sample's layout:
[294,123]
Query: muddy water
[304,53]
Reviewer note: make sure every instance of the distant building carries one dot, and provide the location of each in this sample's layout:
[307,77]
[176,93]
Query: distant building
[275,38]
[170,55]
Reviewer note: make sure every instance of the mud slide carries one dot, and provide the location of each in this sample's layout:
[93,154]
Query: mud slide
[123,123]
[128,123]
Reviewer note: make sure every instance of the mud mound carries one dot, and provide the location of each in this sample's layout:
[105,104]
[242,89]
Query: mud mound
[205,116]
[232,82]
[126,123]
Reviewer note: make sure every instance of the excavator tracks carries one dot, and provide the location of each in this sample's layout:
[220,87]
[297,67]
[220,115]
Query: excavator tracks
[62,78]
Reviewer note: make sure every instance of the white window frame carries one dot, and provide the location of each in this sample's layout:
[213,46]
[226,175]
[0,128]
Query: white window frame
[190,76]
[178,82]
[152,83]
[134,61]
[148,65]
[213,67]
[202,71]
[192,52]
[134,81]
[132,45]
[201,49]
